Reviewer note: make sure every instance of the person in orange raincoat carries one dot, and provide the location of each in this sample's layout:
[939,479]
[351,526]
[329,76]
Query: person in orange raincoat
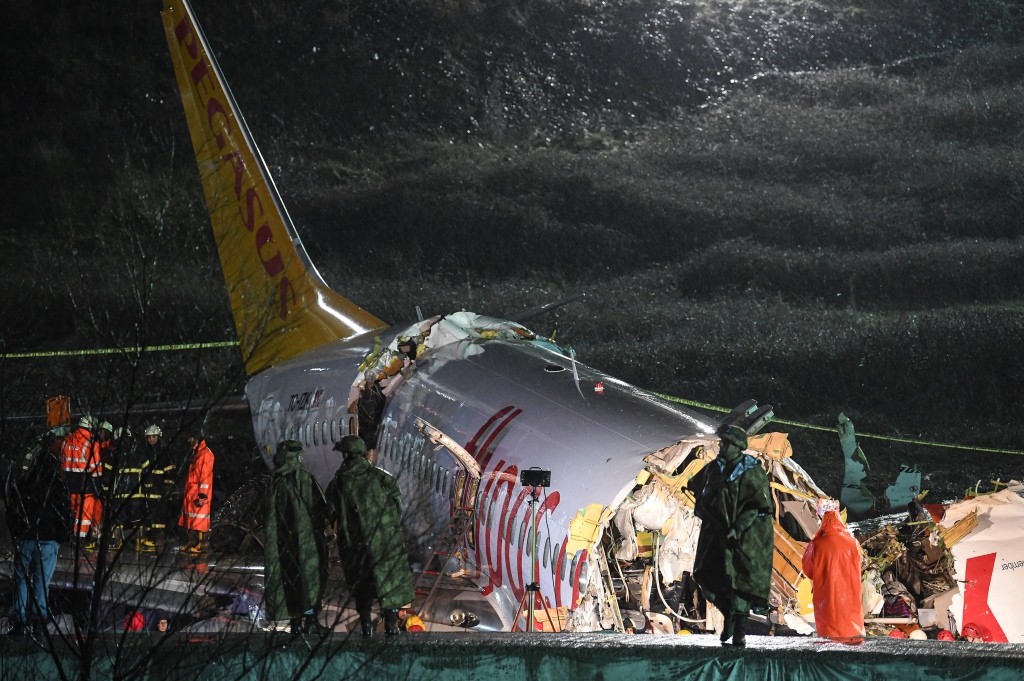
[82,465]
[832,562]
[195,510]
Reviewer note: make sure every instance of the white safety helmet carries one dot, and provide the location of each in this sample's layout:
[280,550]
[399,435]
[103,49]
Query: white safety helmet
[121,432]
[106,425]
[154,430]
[87,421]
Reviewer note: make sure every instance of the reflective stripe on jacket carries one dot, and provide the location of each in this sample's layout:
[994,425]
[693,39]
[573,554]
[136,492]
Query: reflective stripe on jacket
[198,488]
[81,453]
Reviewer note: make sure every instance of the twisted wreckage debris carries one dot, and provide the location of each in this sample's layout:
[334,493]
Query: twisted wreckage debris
[924,573]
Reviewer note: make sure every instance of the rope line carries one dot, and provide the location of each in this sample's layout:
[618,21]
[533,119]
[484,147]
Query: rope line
[118,351]
[888,438]
[670,398]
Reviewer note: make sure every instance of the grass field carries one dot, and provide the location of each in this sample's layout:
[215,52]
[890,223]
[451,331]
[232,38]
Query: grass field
[815,204]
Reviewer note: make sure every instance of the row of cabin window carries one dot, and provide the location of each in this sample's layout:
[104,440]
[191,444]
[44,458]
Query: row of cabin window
[402,451]
[524,538]
[317,433]
[441,479]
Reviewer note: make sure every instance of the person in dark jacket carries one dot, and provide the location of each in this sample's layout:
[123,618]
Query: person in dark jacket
[128,508]
[39,518]
[157,485]
[367,506]
[295,543]
[733,563]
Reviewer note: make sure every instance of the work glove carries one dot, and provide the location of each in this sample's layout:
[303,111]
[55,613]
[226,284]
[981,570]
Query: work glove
[200,500]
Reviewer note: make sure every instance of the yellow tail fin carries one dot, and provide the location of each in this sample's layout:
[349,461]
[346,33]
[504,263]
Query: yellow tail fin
[281,305]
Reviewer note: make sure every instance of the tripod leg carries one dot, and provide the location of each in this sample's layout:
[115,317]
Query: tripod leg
[519,611]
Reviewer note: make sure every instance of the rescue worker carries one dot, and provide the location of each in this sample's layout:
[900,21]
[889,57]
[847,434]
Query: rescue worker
[195,510]
[83,469]
[411,347]
[295,544]
[370,408]
[105,443]
[378,384]
[832,562]
[366,504]
[157,482]
[38,509]
[130,507]
[408,349]
[733,563]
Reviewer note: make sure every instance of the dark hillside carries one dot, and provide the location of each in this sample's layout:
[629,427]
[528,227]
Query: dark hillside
[817,204]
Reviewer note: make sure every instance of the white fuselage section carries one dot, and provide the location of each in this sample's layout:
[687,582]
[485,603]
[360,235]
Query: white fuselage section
[512,405]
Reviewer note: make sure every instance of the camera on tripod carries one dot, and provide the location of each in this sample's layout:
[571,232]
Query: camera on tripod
[535,477]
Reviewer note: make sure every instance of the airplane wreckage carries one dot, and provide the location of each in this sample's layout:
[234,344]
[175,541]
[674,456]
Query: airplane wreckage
[928,571]
[460,406]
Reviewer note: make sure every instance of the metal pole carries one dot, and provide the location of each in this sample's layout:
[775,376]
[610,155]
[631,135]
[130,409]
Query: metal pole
[534,587]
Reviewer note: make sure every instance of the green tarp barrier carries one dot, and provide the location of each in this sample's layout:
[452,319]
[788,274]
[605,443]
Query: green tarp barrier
[507,657]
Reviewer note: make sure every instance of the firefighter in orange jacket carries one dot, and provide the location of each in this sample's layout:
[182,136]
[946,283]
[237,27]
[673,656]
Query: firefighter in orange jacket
[195,511]
[82,464]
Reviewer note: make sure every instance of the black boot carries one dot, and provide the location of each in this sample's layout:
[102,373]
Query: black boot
[295,625]
[366,624]
[391,622]
[313,626]
[739,630]
[726,630]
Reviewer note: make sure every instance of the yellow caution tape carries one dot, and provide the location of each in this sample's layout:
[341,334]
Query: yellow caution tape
[120,351]
[889,438]
[670,398]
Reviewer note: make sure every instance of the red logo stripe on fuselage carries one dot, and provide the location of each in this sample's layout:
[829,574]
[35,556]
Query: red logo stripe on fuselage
[556,572]
[506,478]
[517,586]
[471,446]
[497,555]
[490,444]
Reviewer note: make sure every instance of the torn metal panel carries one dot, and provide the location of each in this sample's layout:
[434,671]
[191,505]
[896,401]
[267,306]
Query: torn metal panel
[854,495]
[804,517]
[775,446]
[668,460]
[989,561]
[657,518]
[787,568]
[464,458]
[952,535]
[628,549]
[801,478]
[905,489]
[584,529]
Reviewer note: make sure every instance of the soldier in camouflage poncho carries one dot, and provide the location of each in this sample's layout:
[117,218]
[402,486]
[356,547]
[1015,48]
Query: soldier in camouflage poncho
[366,504]
[733,564]
[295,545]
